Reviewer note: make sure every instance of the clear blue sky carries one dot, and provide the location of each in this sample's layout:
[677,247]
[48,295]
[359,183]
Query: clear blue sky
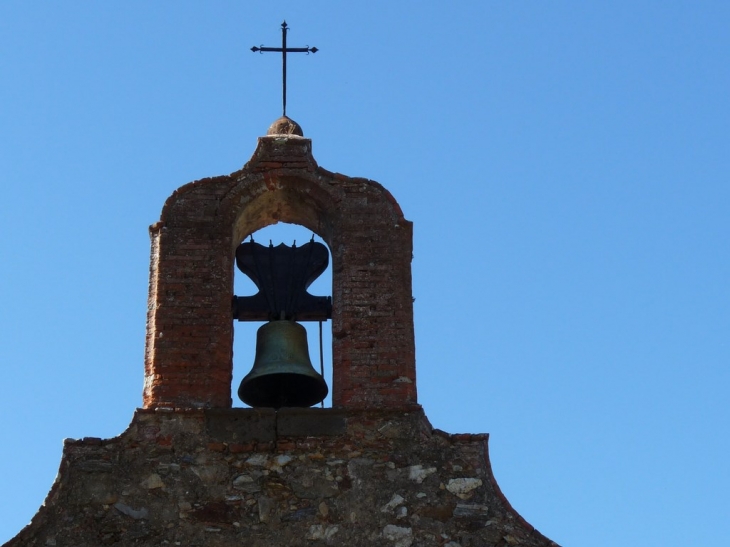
[567,168]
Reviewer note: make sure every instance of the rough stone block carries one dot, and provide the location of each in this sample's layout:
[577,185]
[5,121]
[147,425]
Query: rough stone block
[241,425]
[310,422]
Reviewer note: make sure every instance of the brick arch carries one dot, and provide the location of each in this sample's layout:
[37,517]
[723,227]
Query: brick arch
[188,359]
[259,201]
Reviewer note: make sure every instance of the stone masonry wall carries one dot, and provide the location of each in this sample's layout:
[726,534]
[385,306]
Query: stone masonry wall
[188,358]
[299,477]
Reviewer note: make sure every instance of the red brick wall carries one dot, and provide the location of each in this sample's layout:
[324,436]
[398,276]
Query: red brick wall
[188,358]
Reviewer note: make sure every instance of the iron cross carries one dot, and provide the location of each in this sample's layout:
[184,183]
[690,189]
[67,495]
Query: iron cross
[284,50]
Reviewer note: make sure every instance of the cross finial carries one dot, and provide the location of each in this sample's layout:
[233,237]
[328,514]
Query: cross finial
[284,50]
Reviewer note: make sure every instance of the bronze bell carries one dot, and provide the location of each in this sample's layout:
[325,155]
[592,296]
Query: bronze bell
[282,374]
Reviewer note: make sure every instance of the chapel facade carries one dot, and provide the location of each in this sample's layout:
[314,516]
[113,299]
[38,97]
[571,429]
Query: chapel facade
[191,470]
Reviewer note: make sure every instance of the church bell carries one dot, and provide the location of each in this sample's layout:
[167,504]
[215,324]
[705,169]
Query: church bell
[282,373]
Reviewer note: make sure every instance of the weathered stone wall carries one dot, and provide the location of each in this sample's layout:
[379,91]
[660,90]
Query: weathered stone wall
[188,358]
[299,477]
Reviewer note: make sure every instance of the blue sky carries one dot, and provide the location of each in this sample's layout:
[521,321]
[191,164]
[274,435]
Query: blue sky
[566,166]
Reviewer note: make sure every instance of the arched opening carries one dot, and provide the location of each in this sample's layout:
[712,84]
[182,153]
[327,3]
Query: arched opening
[319,337]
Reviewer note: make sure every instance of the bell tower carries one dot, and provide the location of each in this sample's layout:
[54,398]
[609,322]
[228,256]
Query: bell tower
[188,358]
[192,470]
